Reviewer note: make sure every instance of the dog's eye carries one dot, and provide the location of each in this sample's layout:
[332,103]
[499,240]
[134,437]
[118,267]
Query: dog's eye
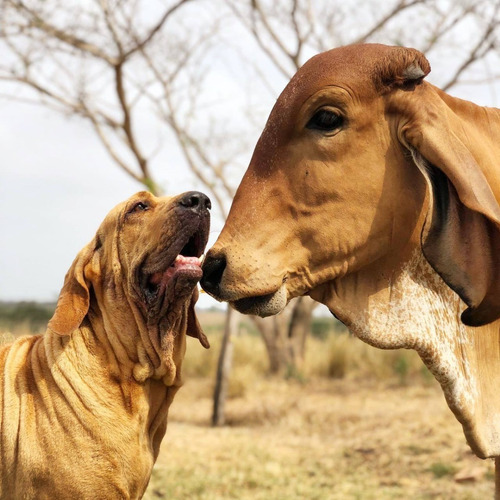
[325,120]
[139,207]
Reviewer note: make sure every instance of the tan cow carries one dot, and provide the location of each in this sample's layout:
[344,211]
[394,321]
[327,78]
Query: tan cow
[377,194]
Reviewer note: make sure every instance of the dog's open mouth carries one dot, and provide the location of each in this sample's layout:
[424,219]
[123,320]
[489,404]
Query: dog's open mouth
[179,271]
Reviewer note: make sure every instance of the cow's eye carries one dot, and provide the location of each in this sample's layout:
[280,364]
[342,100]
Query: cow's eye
[325,120]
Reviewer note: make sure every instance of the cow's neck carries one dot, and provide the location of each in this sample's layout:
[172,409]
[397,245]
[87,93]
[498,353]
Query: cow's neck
[415,309]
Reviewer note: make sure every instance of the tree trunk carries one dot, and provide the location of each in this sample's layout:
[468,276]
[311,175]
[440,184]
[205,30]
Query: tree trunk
[497,478]
[298,330]
[224,366]
[285,336]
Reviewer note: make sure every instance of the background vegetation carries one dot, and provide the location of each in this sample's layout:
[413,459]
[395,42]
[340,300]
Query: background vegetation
[25,317]
[355,423]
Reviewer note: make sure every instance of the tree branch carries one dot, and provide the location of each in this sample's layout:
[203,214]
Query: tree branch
[67,38]
[127,126]
[482,47]
[398,8]
[255,32]
[147,39]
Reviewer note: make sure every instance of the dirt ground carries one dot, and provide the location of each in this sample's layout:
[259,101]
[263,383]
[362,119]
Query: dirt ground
[322,439]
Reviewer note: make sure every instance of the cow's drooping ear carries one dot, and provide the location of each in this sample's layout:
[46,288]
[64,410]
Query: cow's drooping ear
[461,236]
[193,325]
[402,68]
[74,298]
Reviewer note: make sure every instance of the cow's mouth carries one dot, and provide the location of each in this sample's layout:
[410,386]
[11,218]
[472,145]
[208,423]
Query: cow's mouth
[263,305]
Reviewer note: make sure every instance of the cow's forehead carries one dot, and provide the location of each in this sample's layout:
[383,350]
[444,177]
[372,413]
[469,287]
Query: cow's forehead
[351,67]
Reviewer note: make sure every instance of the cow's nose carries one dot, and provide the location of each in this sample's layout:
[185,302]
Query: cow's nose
[194,200]
[213,269]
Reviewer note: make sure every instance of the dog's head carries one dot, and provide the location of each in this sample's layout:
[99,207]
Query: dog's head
[140,271]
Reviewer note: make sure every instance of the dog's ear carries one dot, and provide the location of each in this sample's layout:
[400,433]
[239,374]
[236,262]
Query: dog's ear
[461,236]
[193,325]
[74,298]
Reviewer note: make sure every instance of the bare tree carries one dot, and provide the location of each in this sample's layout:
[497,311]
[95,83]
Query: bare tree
[460,35]
[112,63]
[108,64]
[78,62]
[285,336]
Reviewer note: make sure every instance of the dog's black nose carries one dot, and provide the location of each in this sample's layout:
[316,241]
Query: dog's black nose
[196,201]
[213,269]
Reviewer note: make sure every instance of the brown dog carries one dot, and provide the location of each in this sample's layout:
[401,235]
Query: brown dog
[378,195]
[83,408]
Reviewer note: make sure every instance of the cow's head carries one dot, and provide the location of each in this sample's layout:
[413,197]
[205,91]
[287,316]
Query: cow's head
[360,161]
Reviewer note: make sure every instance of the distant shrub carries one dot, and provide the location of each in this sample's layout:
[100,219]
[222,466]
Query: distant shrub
[439,469]
[401,366]
[27,315]
[342,355]
[200,362]
[338,362]
[322,326]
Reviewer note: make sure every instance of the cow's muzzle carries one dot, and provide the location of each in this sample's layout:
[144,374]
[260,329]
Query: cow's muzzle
[262,305]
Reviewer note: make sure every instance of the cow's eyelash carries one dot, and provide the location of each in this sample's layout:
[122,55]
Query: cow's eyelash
[325,120]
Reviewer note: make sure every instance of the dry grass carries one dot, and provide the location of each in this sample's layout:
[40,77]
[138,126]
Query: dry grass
[324,439]
[340,356]
[358,423]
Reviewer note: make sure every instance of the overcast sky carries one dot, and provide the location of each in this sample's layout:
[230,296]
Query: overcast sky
[56,185]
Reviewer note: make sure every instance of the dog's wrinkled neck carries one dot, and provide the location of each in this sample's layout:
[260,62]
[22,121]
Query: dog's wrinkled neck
[144,348]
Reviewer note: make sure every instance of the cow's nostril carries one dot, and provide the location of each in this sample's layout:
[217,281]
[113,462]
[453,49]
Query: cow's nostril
[213,269]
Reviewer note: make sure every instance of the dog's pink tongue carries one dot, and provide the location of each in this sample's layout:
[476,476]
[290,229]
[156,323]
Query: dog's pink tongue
[180,262]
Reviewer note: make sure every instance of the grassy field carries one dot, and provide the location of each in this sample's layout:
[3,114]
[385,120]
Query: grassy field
[323,439]
[355,423]
[359,423]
